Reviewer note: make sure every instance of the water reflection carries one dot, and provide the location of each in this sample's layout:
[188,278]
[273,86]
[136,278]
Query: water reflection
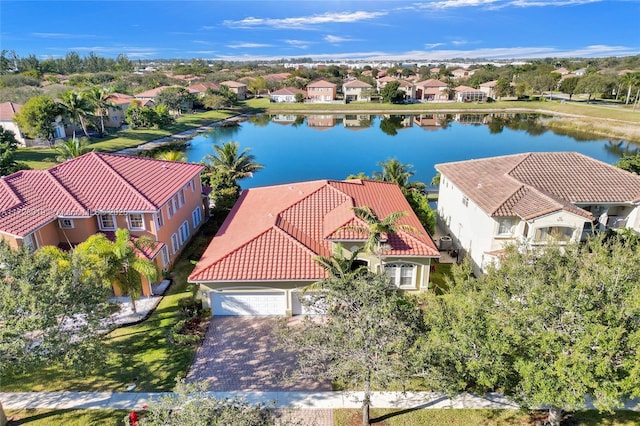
[390,124]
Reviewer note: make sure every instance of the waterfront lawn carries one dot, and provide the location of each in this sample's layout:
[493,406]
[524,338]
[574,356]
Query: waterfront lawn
[592,110]
[138,354]
[43,158]
[463,417]
[67,417]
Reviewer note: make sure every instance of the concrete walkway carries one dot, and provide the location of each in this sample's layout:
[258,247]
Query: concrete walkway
[298,400]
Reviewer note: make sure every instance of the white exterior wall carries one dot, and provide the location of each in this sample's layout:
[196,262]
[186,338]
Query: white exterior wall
[471,228]
[633,220]
[10,125]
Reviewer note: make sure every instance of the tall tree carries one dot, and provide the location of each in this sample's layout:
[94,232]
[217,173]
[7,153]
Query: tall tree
[399,173]
[78,108]
[99,100]
[120,260]
[8,146]
[42,297]
[377,230]
[591,84]
[37,117]
[569,85]
[548,327]
[630,80]
[228,160]
[176,99]
[364,339]
[391,93]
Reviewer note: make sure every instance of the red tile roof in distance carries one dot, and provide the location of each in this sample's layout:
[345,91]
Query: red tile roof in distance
[84,185]
[533,184]
[8,110]
[274,232]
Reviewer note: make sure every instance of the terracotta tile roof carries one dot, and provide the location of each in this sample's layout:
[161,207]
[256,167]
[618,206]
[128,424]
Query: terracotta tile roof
[153,92]
[405,83]
[277,77]
[8,110]
[233,84]
[273,233]
[322,83]
[462,89]
[202,87]
[432,82]
[387,79]
[533,184]
[288,91]
[84,185]
[357,84]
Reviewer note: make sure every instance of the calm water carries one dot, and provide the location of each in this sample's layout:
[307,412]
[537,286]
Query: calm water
[297,148]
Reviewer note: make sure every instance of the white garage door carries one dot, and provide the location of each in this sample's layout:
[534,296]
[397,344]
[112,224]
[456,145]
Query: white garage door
[297,308]
[248,303]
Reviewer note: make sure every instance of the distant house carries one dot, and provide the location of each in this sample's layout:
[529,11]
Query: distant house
[356,90]
[321,121]
[262,257]
[489,88]
[462,73]
[277,78]
[469,94]
[153,93]
[8,110]
[432,90]
[533,198]
[240,89]
[287,94]
[561,71]
[200,89]
[408,88]
[383,81]
[321,91]
[64,205]
[116,116]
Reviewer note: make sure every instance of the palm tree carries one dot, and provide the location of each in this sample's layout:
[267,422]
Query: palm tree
[398,173]
[77,107]
[377,229]
[339,266]
[120,261]
[172,156]
[72,148]
[228,161]
[99,100]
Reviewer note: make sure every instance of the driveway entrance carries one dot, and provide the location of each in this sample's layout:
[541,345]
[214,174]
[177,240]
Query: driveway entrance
[237,355]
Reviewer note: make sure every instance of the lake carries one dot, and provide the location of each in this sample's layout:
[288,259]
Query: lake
[298,148]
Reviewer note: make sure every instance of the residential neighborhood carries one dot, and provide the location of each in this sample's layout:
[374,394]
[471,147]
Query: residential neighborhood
[319,213]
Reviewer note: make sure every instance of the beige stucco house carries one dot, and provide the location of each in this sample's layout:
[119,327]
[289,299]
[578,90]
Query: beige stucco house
[240,89]
[8,110]
[533,198]
[96,192]
[356,90]
[262,257]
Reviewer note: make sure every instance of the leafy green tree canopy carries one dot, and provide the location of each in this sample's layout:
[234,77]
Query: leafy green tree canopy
[37,116]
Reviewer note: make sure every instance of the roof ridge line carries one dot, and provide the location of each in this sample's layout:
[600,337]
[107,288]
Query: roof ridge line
[66,191]
[318,246]
[14,195]
[125,181]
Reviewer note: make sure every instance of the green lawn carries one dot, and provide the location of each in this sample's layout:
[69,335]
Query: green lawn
[437,417]
[66,417]
[587,110]
[139,353]
[43,158]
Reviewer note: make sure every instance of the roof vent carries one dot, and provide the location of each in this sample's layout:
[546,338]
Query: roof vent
[479,185]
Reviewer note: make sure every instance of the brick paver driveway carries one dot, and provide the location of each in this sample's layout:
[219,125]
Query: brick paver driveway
[237,355]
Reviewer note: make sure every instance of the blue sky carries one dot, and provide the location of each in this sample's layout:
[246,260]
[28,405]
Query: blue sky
[248,30]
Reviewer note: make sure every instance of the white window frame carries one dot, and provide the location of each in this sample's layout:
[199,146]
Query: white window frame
[170,209]
[192,185]
[185,232]
[196,217]
[130,222]
[396,277]
[166,259]
[506,226]
[66,223]
[159,219]
[465,201]
[182,200]
[175,245]
[101,223]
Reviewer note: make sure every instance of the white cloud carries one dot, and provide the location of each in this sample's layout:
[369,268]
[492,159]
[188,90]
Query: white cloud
[248,45]
[544,3]
[302,22]
[432,45]
[62,35]
[336,39]
[300,44]
[483,53]
[495,4]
